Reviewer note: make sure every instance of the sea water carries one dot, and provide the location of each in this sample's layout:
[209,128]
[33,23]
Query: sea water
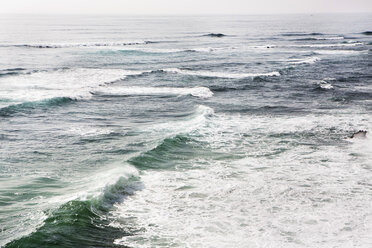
[190,131]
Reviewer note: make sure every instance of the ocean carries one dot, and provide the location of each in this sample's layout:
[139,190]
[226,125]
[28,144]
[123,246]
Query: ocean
[185,131]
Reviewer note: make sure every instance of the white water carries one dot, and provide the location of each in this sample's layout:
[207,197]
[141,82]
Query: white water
[281,194]
[202,92]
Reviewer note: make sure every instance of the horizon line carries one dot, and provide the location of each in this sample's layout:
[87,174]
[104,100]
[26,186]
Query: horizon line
[189,14]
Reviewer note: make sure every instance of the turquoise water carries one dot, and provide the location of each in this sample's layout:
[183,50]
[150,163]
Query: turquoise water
[158,132]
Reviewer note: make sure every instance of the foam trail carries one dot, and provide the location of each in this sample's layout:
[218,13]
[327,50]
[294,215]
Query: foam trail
[220,74]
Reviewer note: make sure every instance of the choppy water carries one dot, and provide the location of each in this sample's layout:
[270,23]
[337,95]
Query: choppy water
[151,132]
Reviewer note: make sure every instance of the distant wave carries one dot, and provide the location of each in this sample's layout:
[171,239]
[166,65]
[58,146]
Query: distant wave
[301,34]
[310,60]
[28,106]
[143,51]
[202,92]
[218,35]
[320,38]
[67,45]
[11,71]
[219,74]
[367,33]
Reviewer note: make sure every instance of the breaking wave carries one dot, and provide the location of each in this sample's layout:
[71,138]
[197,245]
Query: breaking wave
[202,92]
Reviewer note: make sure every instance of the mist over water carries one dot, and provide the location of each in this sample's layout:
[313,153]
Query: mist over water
[185,131]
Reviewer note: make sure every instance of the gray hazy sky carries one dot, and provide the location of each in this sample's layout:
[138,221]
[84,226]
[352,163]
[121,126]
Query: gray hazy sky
[170,7]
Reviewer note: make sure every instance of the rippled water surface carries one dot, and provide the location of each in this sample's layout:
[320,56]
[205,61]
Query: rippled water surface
[213,131]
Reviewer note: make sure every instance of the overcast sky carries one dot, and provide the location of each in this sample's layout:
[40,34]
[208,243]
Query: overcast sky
[175,7]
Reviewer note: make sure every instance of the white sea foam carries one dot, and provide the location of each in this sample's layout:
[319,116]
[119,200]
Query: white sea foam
[281,194]
[325,85]
[88,131]
[202,92]
[310,60]
[220,74]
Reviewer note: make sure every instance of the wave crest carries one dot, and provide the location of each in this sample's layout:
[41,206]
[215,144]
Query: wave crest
[202,92]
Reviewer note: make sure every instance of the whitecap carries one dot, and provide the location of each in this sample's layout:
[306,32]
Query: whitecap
[202,92]
[325,85]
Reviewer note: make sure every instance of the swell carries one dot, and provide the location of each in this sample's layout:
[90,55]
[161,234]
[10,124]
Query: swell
[26,107]
[11,71]
[180,147]
[82,223]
